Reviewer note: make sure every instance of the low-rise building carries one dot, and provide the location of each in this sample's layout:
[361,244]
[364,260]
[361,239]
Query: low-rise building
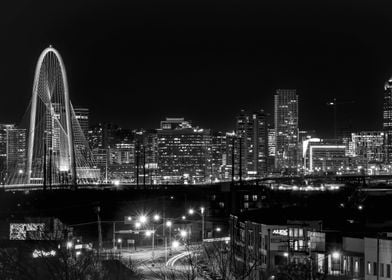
[268,247]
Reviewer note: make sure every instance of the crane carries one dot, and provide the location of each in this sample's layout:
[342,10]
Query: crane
[334,103]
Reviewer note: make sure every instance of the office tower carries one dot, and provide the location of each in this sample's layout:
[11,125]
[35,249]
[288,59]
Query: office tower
[218,156]
[387,120]
[16,150]
[271,148]
[183,152]
[251,128]
[3,149]
[286,130]
[367,147]
[82,115]
[146,156]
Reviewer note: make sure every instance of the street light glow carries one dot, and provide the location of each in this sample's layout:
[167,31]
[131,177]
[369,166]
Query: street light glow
[119,240]
[336,255]
[148,233]
[156,217]
[169,223]
[183,217]
[143,219]
[129,218]
[175,244]
[138,224]
[183,233]
[191,211]
[202,210]
[218,229]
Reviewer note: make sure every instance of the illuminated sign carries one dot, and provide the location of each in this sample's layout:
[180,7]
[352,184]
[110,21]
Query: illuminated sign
[280,232]
[43,254]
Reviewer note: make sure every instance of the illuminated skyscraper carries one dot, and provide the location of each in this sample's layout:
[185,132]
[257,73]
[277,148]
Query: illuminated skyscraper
[183,152]
[252,130]
[16,149]
[286,129]
[387,120]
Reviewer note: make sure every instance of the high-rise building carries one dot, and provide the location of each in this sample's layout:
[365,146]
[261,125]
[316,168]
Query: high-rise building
[387,120]
[271,148]
[286,129]
[231,158]
[251,128]
[3,148]
[16,150]
[146,156]
[183,152]
[82,115]
[218,156]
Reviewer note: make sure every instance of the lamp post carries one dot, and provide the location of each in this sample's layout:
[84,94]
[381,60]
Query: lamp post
[201,213]
[120,242]
[169,225]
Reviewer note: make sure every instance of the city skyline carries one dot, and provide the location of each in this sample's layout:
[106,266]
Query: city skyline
[146,53]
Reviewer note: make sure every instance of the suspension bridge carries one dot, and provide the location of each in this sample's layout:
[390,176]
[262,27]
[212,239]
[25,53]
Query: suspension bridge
[58,153]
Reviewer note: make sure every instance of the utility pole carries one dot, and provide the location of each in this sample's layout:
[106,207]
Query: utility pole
[378,256]
[98,209]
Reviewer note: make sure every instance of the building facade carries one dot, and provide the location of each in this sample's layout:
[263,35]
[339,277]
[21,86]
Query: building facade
[269,247]
[251,128]
[387,120]
[286,130]
[183,152]
[367,147]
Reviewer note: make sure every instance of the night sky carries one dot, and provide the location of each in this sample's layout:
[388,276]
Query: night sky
[136,62]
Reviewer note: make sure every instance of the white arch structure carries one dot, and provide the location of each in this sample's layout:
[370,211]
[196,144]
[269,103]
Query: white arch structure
[50,118]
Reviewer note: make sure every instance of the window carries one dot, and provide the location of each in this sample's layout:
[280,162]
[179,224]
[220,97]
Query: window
[369,268]
[254,197]
[246,197]
[375,268]
[388,271]
[246,205]
[382,270]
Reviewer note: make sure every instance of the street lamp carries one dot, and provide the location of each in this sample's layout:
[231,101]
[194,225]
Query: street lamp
[169,225]
[148,234]
[201,213]
[183,233]
[175,244]
[183,217]
[156,217]
[143,219]
[120,242]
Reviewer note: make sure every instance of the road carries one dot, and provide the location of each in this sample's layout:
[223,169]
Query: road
[174,267]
